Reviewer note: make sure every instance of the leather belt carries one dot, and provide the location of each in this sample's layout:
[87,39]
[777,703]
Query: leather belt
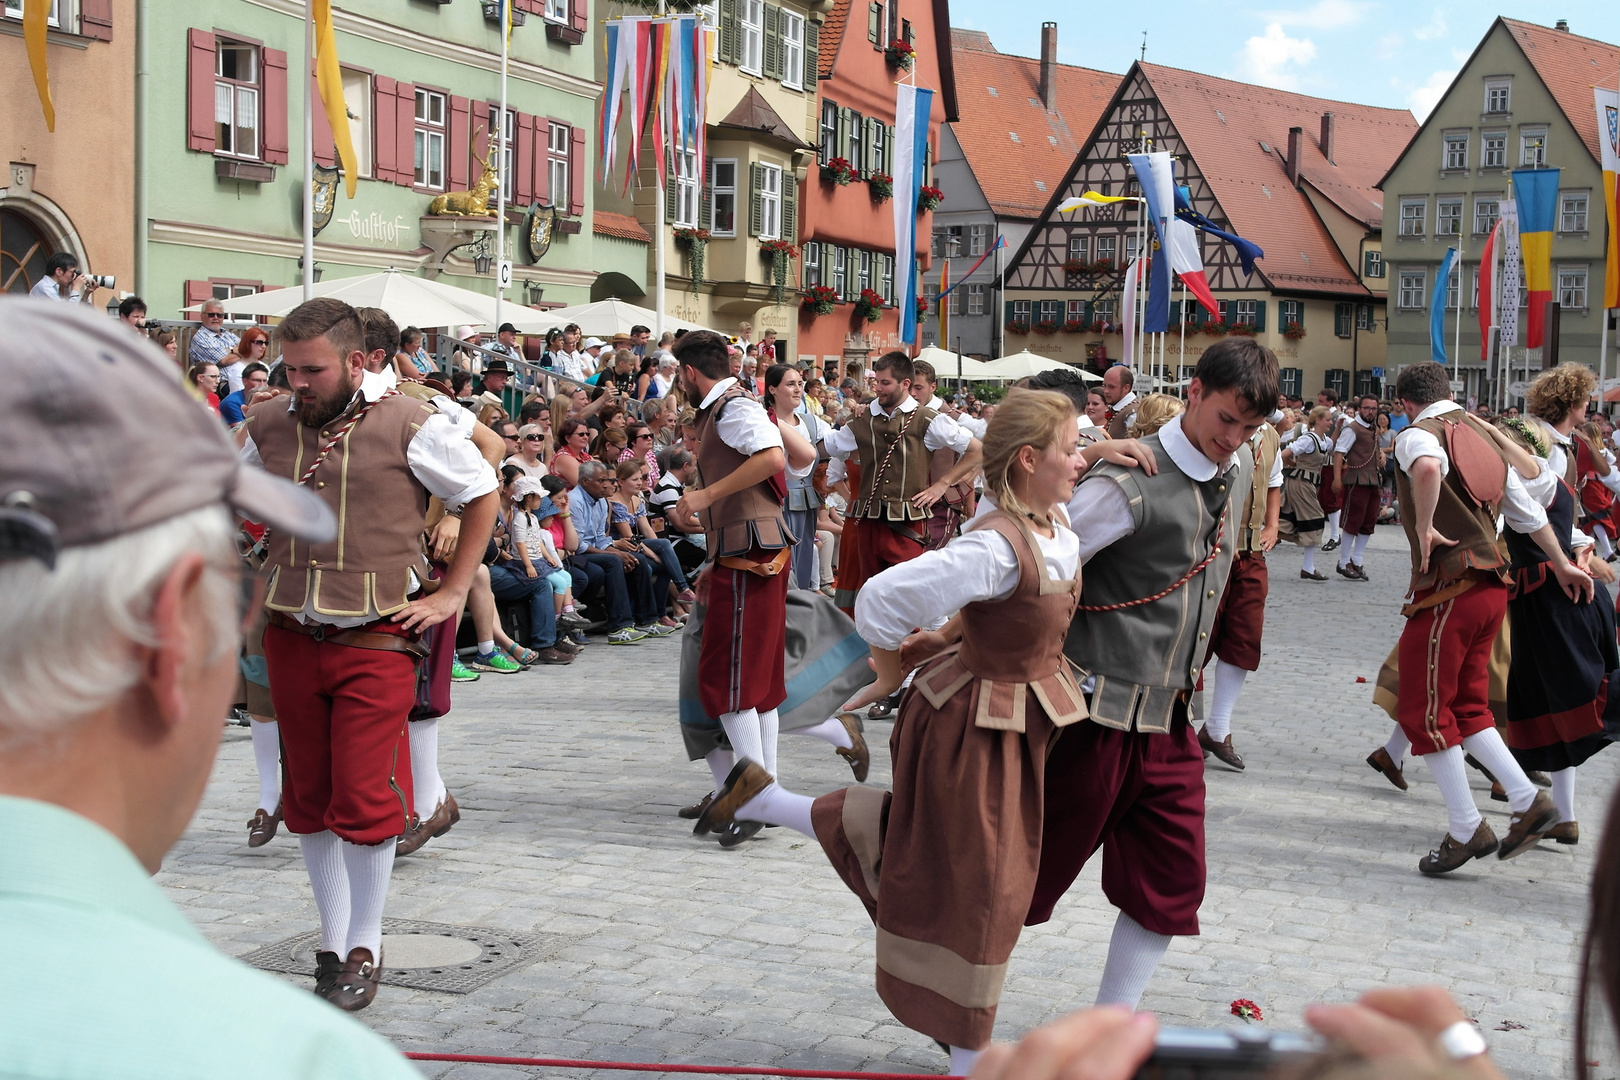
[355,637]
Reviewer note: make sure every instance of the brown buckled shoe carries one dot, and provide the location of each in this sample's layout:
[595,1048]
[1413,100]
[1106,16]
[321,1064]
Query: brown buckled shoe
[1565,832]
[1524,829]
[1222,750]
[357,982]
[262,829]
[1452,854]
[1538,778]
[696,809]
[858,756]
[445,815]
[1360,571]
[1311,575]
[739,832]
[747,779]
[1380,760]
[327,967]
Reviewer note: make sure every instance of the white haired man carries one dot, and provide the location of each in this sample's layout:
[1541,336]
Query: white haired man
[126,565]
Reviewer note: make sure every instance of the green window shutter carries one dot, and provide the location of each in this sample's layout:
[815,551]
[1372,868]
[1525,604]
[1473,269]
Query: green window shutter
[1366,264]
[705,199]
[874,160]
[844,114]
[1260,315]
[728,31]
[827,265]
[874,23]
[671,188]
[756,184]
[773,42]
[812,54]
[790,205]
[857,145]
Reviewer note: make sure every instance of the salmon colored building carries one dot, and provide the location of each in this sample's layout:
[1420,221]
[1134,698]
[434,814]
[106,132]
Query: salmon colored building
[847,230]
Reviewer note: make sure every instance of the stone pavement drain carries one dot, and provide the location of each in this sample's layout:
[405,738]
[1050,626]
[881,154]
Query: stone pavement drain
[424,955]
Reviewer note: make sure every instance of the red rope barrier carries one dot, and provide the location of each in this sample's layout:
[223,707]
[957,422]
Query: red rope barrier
[638,1066]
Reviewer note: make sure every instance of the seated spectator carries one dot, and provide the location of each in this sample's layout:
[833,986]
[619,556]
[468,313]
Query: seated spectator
[531,453]
[468,359]
[639,446]
[680,469]
[552,515]
[461,387]
[204,378]
[510,580]
[659,416]
[490,392]
[132,313]
[573,450]
[253,347]
[166,340]
[511,444]
[614,572]
[233,405]
[664,379]
[412,361]
[646,386]
[611,445]
[629,520]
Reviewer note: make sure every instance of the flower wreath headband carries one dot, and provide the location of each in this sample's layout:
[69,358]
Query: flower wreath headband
[1524,431]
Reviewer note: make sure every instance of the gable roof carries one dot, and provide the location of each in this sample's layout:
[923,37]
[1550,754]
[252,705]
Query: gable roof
[831,38]
[620,226]
[1569,65]
[754,114]
[1000,94]
[1224,124]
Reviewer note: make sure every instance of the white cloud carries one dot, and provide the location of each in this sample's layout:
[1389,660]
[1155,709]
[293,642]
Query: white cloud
[1273,58]
[1435,29]
[1388,46]
[1423,100]
[1323,15]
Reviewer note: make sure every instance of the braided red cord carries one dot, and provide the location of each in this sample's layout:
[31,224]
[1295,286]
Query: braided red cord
[1215,549]
[348,425]
[638,1066]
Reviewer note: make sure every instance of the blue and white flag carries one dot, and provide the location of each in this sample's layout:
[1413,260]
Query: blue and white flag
[1156,175]
[911,108]
[1437,308]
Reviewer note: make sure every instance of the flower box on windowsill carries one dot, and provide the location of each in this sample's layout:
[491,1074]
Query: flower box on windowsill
[567,226]
[492,13]
[567,35]
[252,172]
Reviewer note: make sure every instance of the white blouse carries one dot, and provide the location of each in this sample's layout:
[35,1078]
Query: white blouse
[976,566]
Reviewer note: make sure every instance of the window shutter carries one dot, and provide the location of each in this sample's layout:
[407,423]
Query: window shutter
[579,15]
[275,105]
[728,31]
[705,195]
[384,129]
[1260,315]
[1226,307]
[790,205]
[457,131]
[325,148]
[825,253]
[576,170]
[541,156]
[404,135]
[874,23]
[95,19]
[773,42]
[523,160]
[200,90]
[844,116]
[812,54]
[671,189]
[1366,264]
[198,291]
[756,211]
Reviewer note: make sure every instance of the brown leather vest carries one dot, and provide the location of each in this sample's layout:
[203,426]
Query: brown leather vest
[1456,516]
[897,476]
[379,503]
[743,520]
[1119,426]
[1014,645]
[1361,460]
[1265,455]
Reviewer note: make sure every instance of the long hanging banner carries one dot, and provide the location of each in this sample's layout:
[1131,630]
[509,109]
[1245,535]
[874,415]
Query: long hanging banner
[36,16]
[1507,320]
[911,108]
[1536,193]
[329,81]
[1485,297]
[1608,116]
[1437,306]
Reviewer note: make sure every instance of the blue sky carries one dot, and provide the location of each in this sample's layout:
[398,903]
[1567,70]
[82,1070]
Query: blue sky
[1377,52]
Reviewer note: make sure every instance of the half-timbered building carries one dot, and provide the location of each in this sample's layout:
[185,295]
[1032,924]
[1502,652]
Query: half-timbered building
[1293,173]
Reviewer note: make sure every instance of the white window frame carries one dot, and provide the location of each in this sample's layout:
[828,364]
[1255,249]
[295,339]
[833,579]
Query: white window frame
[241,94]
[1130,246]
[1102,309]
[558,149]
[688,191]
[751,36]
[1080,247]
[508,173]
[710,20]
[809,265]
[430,138]
[791,26]
[1107,248]
[1573,287]
[1505,88]
[863,273]
[1024,308]
[357,97]
[879,157]
[975,301]
[1414,224]
[1487,212]
[1574,211]
[1454,151]
[770,201]
[886,279]
[978,237]
[1412,290]
[1247,312]
[1453,284]
[1448,224]
[1493,144]
[1364,316]
[1376,261]
[719,191]
[1050,311]
[827,131]
[840,281]
[556,11]
[1532,147]
[1075,311]
[53,20]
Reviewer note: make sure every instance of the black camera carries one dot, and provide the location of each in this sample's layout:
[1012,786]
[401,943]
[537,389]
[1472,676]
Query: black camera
[1228,1054]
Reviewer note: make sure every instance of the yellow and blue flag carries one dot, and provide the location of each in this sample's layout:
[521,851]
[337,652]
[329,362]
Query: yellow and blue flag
[1535,191]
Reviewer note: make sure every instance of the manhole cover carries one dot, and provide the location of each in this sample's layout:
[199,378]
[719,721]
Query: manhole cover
[423,955]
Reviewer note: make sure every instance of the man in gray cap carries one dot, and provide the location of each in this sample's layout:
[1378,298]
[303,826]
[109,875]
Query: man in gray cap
[121,604]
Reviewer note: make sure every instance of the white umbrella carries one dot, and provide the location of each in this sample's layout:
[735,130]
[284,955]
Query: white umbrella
[604,318]
[1022,365]
[945,365]
[409,301]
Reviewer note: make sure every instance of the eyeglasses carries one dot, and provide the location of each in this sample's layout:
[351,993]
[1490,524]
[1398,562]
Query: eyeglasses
[534,438]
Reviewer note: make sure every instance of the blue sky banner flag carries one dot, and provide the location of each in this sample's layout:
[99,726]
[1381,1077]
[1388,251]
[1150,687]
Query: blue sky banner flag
[1156,175]
[911,108]
[1437,308]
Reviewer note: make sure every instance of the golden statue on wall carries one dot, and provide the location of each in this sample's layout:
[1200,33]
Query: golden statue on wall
[473,203]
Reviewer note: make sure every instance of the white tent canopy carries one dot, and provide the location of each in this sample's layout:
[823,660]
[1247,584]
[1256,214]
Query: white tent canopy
[945,365]
[604,318]
[409,301]
[1021,365]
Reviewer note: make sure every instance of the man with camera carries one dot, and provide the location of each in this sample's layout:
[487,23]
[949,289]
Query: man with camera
[63,281]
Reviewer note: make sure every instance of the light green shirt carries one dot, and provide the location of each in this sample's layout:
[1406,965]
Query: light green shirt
[102,976]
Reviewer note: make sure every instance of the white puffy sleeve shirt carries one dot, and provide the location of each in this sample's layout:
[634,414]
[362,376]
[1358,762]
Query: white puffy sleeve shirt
[1519,509]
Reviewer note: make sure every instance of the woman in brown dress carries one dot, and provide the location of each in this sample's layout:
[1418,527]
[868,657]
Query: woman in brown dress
[956,844]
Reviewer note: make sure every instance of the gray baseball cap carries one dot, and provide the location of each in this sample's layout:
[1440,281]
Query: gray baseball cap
[98,437]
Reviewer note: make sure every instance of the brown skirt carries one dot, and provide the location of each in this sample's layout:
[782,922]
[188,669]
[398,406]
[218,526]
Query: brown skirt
[1302,518]
[946,863]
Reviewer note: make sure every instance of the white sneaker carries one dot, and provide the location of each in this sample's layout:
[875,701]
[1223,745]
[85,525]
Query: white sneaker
[628,636]
[656,630]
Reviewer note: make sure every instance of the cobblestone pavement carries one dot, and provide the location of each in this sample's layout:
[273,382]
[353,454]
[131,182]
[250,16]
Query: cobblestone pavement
[661,947]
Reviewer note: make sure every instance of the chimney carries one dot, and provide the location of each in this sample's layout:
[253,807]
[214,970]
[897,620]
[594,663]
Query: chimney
[1562,24]
[1296,135]
[1049,65]
[1326,141]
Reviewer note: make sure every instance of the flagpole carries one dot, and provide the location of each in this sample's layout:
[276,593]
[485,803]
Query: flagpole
[1456,347]
[1001,298]
[500,198]
[309,151]
[658,217]
[1181,350]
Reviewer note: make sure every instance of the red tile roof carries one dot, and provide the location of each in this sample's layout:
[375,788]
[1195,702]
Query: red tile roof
[999,98]
[621,226]
[1224,125]
[832,36]
[837,23]
[1570,65]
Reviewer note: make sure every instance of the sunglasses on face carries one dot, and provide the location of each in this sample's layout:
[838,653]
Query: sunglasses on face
[534,438]
[213,315]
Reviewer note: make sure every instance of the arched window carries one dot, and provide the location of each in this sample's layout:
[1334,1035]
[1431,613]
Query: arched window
[23,251]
